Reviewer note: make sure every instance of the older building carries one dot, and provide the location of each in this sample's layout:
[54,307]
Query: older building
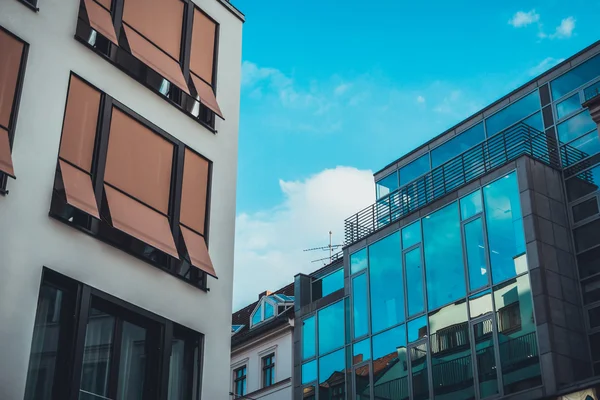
[119,121]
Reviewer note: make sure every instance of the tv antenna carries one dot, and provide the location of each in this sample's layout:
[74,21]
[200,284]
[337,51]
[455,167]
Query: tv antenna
[329,247]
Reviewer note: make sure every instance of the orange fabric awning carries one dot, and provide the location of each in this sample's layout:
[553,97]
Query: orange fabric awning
[78,189]
[206,94]
[197,250]
[140,221]
[100,20]
[6,164]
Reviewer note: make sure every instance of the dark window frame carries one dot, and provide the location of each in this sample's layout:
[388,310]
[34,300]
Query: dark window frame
[268,365]
[16,101]
[239,378]
[102,229]
[121,57]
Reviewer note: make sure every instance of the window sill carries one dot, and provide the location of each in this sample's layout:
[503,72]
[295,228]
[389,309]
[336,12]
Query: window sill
[29,5]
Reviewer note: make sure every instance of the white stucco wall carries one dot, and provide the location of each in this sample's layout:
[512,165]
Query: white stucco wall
[30,239]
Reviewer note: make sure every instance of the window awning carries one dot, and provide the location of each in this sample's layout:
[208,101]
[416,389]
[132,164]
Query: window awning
[6,164]
[78,189]
[140,221]
[11,51]
[194,189]
[100,20]
[149,54]
[197,250]
[203,46]
[206,94]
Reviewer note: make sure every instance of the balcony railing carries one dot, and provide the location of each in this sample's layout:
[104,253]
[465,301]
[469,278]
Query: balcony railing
[516,141]
[592,91]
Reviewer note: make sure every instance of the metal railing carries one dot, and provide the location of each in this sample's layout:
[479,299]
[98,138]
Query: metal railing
[592,91]
[516,141]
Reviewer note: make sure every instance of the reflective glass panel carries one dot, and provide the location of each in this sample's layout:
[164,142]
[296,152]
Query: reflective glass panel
[481,304]
[535,121]
[414,281]
[584,183]
[452,370]
[589,263]
[471,205]
[95,371]
[581,148]
[308,338]
[387,294]
[586,236]
[257,317]
[177,370]
[359,305]
[387,185]
[575,77]
[568,106]
[445,276]
[513,113]
[418,371]
[411,234]
[361,351]
[390,378]
[361,383]
[333,282]
[457,145]
[309,393]
[516,335]
[483,335]
[309,371]
[331,327]
[132,363]
[475,246]
[506,237]
[414,169]
[417,329]
[331,373]
[591,290]
[358,261]
[575,126]
[269,310]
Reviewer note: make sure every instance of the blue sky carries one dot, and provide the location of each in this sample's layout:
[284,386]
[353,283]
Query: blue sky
[332,91]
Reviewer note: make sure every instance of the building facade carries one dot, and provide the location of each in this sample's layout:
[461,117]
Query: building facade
[261,347]
[474,274]
[119,121]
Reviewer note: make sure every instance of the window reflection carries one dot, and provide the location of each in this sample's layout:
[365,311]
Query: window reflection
[418,371]
[358,261]
[257,317]
[581,148]
[575,77]
[308,338]
[411,234]
[132,363]
[516,335]
[471,205]
[414,279]
[575,126]
[269,310]
[480,304]
[390,372]
[417,329]
[475,248]
[506,237]
[584,183]
[445,275]
[359,305]
[332,380]
[309,393]
[95,371]
[568,106]
[309,371]
[485,357]
[331,327]
[332,282]
[387,185]
[361,351]
[385,275]
[414,169]
[513,113]
[457,145]
[452,370]
[361,383]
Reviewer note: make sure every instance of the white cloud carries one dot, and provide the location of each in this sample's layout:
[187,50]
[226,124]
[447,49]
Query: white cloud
[270,243]
[521,18]
[341,89]
[457,105]
[420,99]
[544,65]
[565,29]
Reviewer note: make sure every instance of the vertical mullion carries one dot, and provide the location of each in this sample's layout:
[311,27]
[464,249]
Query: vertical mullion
[175,199]
[115,357]
[474,366]
[165,352]
[117,15]
[186,43]
[81,320]
[100,151]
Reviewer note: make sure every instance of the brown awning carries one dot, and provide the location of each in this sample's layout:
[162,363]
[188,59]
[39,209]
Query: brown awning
[139,161]
[6,164]
[149,54]
[197,250]
[193,191]
[78,189]
[105,3]
[101,21]
[206,95]
[79,127]
[203,46]
[11,51]
[139,221]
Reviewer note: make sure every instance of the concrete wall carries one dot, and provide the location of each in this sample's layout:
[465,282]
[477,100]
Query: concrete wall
[31,239]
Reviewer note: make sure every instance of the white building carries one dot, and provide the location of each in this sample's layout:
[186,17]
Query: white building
[119,120]
[261,347]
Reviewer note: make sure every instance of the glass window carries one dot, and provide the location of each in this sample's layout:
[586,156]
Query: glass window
[359,305]
[309,372]
[361,383]
[385,275]
[471,205]
[309,393]
[591,290]
[331,372]
[535,121]
[485,356]
[589,263]
[333,282]
[457,145]
[268,370]
[568,106]
[269,310]
[513,113]
[177,370]
[417,329]
[414,169]
[389,348]
[581,148]
[358,261]
[575,77]
[585,209]
[411,234]
[308,338]
[418,371]
[517,335]
[95,371]
[387,185]
[584,183]
[480,304]
[257,317]
[239,383]
[506,237]
[587,236]
[451,352]
[575,126]
[594,317]
[183,366]
[445,276]
[414,281]
[361,351]
[331,327]
[132,363]
[475,247]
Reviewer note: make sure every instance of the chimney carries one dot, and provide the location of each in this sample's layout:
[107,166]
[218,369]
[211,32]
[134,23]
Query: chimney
[265,293]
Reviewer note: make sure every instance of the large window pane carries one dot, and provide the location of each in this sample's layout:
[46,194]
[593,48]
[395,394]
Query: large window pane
[417,329]
[358,261]
[269,310]
[576,77]
[389,348]
[309,372]
[444,268]
[457,145]
[387,294]
[475,246]
[471,205]
[414,169]
[95,371]
[584,183]
[387,185]
[581,148]
[506,237]
[452,370]
[517,335]
[575,126]
[361,383]
[483,335]
[331,327]
[308,338]
[359,305]
[132,365]
[331,374]
[481,304]
[513,113]
[589,263]
[587,236]
[333,282]
[568,106]
[361,351]
[414,279]
[418,371]
[411,234]
[177,370]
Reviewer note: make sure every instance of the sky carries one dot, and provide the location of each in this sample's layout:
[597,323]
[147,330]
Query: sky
[334,91]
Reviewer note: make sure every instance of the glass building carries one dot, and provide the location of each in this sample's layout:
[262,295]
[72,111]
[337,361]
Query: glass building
[475,273]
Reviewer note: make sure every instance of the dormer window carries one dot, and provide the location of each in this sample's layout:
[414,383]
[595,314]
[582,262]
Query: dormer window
[235,329]
[269,307]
